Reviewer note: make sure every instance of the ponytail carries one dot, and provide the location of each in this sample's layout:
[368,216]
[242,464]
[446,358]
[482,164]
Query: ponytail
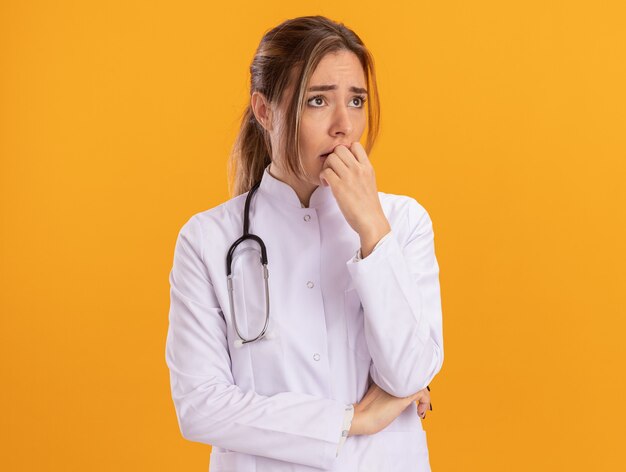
[250,154]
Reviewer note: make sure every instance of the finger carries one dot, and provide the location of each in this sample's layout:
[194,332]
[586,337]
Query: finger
[417,396]
[346,156]
[421,395]
[329,176]
[359,152]
[336,163]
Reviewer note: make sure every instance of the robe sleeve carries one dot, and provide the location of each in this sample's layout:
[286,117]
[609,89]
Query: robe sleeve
[359,255]
[398,285]
[347,423]
[210,409]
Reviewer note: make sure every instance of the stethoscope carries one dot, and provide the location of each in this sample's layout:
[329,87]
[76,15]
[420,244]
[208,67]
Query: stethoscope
[229,277]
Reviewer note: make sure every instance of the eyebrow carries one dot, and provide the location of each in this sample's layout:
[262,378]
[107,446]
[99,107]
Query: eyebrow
[323,88]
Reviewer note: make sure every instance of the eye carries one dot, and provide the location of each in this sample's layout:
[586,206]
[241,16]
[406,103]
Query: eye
[361,99]
[317,97]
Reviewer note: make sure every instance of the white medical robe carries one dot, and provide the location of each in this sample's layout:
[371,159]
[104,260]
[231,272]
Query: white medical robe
[339,323]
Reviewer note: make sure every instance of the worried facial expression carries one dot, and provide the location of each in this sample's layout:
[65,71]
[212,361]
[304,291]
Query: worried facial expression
[335,111]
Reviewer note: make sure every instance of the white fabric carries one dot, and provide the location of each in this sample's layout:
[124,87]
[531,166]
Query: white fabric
[347,422]
[359,255]
[279,404]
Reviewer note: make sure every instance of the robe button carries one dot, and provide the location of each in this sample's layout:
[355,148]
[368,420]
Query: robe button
[307,217]
[310,284]
[316,356]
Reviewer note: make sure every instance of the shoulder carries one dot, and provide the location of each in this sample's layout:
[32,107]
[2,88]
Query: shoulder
[220,219]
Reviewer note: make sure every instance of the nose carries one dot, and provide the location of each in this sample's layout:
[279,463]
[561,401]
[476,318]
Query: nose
[342,122]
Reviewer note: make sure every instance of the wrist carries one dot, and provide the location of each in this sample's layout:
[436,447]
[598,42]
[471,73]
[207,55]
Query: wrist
[371,236]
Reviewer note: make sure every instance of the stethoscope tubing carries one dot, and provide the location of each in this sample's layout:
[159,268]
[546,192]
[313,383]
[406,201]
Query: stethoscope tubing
[229,257]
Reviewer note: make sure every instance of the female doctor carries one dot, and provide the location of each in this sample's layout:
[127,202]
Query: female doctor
[305,319]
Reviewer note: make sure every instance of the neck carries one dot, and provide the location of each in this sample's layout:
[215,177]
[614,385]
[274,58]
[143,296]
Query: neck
[303,189]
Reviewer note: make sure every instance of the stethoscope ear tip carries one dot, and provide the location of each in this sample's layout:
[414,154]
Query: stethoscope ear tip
[270,334]
[238,343]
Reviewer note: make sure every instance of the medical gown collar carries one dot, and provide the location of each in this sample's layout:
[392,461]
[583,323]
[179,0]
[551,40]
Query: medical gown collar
[286,195]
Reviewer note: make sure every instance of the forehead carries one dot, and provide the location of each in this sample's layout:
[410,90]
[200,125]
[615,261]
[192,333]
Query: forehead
[341,67]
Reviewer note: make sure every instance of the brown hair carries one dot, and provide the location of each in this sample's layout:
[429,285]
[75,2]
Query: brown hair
[288,53]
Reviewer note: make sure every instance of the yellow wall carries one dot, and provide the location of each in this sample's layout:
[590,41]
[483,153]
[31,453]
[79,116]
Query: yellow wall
[506,120]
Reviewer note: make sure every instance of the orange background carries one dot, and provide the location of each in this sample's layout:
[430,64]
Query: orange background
[506,120]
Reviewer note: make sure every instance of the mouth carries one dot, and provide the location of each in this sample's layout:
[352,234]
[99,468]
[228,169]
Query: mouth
[325,155]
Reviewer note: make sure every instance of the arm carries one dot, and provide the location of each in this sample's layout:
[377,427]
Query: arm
[399,290]
[210,408]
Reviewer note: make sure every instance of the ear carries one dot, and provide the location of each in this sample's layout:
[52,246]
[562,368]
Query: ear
[262,110]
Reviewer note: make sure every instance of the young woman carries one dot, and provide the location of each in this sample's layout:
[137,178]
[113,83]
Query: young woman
[305,319]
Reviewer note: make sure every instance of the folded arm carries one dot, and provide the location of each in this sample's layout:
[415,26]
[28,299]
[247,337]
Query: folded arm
[398,284]
[210,408]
